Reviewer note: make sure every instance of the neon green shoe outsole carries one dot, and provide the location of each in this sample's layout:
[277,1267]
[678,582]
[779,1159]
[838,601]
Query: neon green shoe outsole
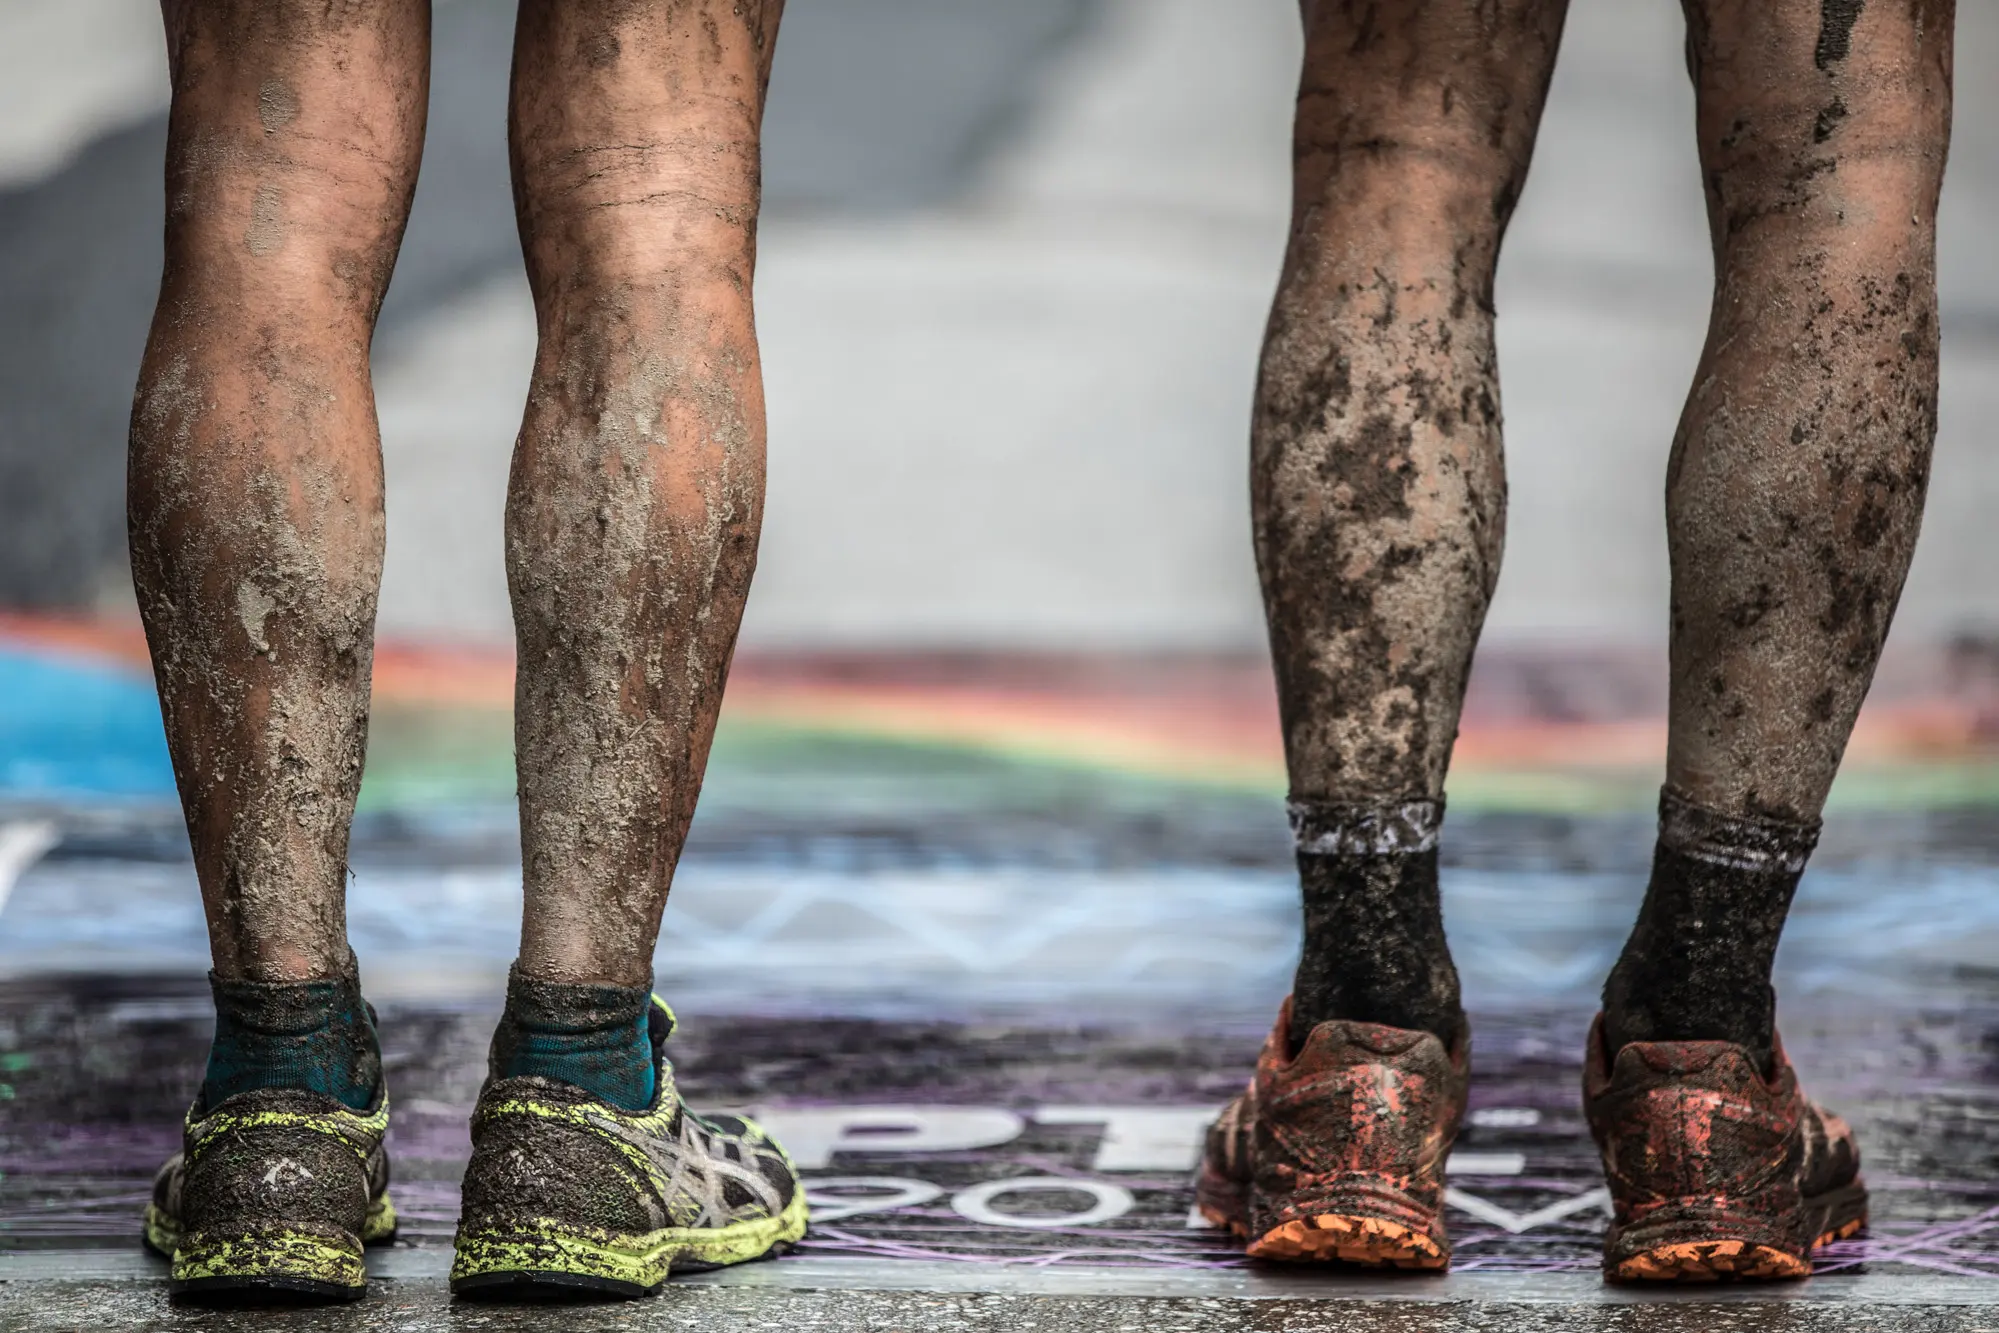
[567,1192]
[543,1252]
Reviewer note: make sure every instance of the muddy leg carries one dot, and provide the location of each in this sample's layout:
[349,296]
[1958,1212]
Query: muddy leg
[637,485]
[1797,477]
[1378,486]
[256,482]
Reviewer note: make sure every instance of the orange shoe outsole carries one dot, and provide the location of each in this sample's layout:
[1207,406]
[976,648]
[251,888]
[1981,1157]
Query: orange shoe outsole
[1717,1260]
[1371,1242]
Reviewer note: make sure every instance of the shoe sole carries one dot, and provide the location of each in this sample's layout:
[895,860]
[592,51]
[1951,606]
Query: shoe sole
[1344,1238]
[265,1262]
[1836,1215]
[1370,1242]
[544,1257]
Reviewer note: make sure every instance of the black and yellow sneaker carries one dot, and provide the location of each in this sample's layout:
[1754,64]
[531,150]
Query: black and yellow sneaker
[274,1192]
[569,1192]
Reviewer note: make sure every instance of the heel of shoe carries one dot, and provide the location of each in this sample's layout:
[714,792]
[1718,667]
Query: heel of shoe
[162,1232]
[545,1255]
[1361,1221]
[272,1260]
[1694,1241]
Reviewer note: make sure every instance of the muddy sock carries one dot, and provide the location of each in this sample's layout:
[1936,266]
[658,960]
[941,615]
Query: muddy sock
[1697,965]
[592,1037]
[315,1035]
[1374,925]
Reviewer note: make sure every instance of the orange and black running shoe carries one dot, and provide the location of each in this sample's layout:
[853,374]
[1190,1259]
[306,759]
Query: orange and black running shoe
[1337,1154]
[1715,1171]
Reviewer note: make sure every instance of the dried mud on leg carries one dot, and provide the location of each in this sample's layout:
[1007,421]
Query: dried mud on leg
[1796,483]
[255,476]
[637,487]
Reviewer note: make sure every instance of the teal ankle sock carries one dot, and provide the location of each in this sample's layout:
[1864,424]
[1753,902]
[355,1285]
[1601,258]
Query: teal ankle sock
[595,1038]
[317,1036]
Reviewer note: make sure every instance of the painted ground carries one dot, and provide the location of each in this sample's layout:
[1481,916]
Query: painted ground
[987,940]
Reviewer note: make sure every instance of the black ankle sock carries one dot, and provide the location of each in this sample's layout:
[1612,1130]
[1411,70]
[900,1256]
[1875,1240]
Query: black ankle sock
[318,1036]
[596,1038]
[1697,965]
[1374,924]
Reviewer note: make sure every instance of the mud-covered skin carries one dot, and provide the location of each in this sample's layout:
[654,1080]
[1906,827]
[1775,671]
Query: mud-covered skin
[637,484]
[274,1191]
[1715,1170]
[256,508]
[1796,482]
[1338,1152]
[567,1191]
[1796,479]
[1378,486]
[255,476]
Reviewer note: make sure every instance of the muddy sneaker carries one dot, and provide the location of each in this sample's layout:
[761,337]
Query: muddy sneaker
[274,1192]
[1715,1171]
[1338,1155]
[565,1191]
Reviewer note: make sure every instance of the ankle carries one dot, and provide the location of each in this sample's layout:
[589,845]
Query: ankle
[597,1038]
[1637,1008]
[1374,948]
[310,1036]
[1435,1010]
[1697,965]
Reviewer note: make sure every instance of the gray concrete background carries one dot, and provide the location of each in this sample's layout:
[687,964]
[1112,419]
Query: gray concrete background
[1014,270]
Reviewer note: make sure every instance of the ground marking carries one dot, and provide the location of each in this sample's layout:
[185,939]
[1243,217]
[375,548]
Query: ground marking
[1517,1223]
[21,845]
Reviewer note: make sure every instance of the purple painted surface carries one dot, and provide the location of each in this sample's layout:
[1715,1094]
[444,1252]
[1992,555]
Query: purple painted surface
[100,1070]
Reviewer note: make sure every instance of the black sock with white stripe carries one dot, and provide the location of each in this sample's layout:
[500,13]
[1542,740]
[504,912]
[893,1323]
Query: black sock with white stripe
[1697,964]
[1374,925]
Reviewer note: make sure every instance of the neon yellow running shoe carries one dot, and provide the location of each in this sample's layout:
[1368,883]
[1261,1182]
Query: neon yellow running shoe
[276,1192]
[568,1192]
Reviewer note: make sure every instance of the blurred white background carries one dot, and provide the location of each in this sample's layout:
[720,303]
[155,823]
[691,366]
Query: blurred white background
[1009,376]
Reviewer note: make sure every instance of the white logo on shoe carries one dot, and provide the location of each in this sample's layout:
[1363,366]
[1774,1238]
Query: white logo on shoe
[284,1171]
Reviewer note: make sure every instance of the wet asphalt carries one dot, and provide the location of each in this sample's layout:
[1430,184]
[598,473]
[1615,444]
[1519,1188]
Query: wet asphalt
[412,1305]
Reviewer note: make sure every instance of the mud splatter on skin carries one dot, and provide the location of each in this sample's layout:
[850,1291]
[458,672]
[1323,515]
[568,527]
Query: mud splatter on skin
[1836,20]
[1796,482]
[277,105]
[266,235]
[637,487]
[255,479]
[1377,479]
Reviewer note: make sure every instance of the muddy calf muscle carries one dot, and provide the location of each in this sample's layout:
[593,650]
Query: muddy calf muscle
[255,475]
[1797,478]
[637,487]
[1378,486]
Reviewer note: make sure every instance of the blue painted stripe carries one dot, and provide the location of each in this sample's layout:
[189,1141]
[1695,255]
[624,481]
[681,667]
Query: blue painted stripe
[72,727]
